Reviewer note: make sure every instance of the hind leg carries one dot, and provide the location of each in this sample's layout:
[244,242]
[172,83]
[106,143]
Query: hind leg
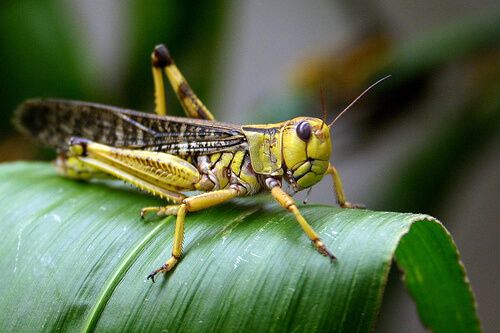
[192,105]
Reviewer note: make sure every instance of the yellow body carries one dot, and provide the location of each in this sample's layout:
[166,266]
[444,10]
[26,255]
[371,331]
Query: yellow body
[167,156]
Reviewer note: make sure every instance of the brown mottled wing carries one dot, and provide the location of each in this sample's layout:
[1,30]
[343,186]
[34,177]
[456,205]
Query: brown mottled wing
[54,122]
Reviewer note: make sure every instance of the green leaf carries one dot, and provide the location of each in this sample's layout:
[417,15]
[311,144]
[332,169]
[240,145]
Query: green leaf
[74,256]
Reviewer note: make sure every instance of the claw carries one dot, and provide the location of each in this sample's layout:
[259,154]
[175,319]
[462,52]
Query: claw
[152,275]
[143,214]
[146,210]
[324,250]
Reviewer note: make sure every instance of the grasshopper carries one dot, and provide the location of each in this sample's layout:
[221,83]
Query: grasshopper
[166,155]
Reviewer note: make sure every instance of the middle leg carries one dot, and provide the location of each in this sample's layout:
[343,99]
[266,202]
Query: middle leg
[339,189]
[191,204]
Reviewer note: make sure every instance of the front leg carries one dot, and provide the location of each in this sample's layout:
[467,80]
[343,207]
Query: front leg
[191,204]
[339,189]
[288,203]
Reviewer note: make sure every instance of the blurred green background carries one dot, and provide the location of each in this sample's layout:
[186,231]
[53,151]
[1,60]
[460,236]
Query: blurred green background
[426,140]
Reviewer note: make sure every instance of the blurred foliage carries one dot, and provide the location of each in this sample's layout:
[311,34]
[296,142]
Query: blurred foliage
[423,58]
[444,157]
[42,52]
[39,56]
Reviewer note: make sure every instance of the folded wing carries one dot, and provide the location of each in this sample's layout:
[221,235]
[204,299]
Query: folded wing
[53,122]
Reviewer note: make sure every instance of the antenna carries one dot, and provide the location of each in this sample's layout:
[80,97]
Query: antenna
[323,105]
[357,98]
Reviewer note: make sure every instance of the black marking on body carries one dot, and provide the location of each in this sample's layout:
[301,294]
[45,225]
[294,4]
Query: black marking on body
[255,129]
[184,90]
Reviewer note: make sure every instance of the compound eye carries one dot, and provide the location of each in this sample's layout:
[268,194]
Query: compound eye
[303,130]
